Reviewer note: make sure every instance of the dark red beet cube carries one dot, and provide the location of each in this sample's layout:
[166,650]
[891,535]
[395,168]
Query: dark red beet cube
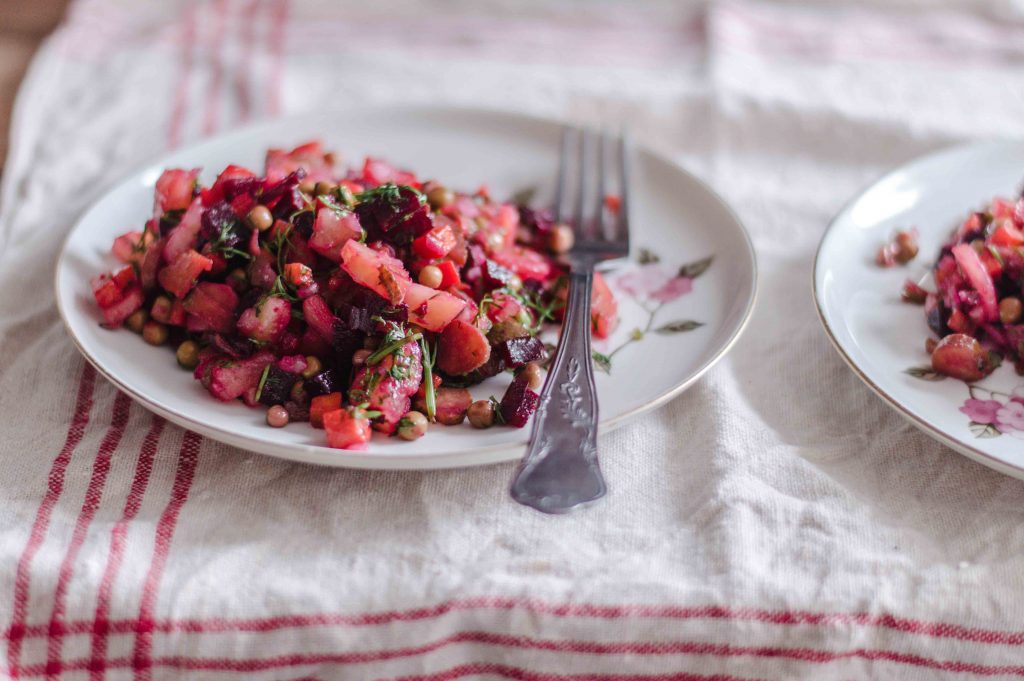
[519,403]
[519,351]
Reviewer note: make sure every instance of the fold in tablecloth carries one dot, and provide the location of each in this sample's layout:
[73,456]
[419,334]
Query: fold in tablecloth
[775,522]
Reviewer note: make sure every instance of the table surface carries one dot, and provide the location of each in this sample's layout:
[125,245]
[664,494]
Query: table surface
[22,26]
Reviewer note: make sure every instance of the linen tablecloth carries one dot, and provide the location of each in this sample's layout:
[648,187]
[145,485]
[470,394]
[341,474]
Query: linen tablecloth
[777,521]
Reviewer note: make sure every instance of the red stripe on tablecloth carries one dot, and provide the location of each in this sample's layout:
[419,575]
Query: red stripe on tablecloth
[575,647]
[613,612]
[213,91]
[55,485]
[278,36]
[188,458]
[148,450]
[93,496]
[118,537]
[520,674]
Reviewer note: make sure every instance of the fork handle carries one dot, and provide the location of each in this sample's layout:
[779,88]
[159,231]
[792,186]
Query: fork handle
[560,470]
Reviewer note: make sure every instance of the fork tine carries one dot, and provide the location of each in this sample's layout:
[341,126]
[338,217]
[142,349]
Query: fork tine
[579,217]
[600,224]
[622,221]
[563,170]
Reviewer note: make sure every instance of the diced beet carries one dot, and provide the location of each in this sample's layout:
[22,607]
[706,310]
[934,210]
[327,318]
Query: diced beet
[220,219]
[324,383]
[319,316]
[276,188]
[527,263]
[492,367]
[208,358]
[232,346]
[151,263]
[180,276]
[312,343]
[249,397]
[261,271]
[106,291]
[214,304]
[230,379]
[437,242]
[242,205]
[302,222]
[520,351]
[518,403]
[496,276]
[292,201]
[227,177]
[451,405]
[131,300]
[353,318]
[130,248]
[267,320]
[394,213]
[345,342]
[293,364]
[461,348]
[331,230]
[233,187]
[277,387]
[449,274]
[297,413]
[299,251]
[174,189]
[504,307]
[308,158]
[377,172]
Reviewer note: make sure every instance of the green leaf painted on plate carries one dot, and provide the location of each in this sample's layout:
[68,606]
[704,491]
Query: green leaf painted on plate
[602,362]
[695,269]
[983,430]
[678,327]
[924,373]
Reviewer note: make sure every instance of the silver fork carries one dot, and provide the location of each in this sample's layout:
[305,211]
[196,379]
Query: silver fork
[560,470]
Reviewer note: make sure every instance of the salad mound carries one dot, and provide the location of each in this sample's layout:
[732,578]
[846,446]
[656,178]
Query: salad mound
[355,300]
[976,310]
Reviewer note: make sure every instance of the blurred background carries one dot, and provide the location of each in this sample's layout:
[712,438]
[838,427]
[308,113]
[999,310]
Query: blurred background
[23,24]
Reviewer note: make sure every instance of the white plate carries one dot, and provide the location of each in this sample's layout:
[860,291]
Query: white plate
[881,337]
[674,214]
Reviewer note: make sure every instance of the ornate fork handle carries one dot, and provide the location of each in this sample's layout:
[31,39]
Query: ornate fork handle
[560,470]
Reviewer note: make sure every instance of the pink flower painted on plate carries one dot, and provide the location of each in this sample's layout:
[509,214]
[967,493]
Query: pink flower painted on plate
[1010,416]
[653,283]
[672,289]
[981,411]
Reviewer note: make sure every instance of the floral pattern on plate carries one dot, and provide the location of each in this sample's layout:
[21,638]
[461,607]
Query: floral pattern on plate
[991,412]
[651,287]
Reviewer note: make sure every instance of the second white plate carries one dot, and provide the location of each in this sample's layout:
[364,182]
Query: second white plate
[883,338]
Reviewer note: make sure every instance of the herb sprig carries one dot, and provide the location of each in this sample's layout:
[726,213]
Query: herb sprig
[429,396]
